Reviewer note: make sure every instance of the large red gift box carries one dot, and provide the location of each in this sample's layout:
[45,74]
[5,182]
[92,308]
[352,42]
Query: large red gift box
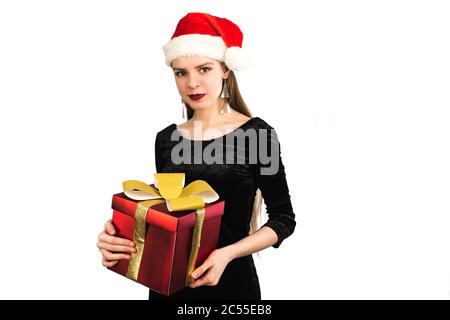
[168,241]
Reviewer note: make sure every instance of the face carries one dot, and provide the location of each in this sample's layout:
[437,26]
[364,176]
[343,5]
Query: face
[199,76]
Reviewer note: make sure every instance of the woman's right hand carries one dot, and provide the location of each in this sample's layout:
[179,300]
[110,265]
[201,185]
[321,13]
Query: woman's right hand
[113,248]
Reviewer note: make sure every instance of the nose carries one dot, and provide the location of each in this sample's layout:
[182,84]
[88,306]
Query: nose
[193,82]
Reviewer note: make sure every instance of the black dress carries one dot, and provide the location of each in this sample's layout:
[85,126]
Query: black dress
[236,183]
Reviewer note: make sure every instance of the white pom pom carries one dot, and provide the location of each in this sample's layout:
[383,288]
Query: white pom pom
[236,59]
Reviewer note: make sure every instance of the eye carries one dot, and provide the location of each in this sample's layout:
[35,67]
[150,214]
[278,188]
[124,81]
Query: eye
[205,68]
[179,73]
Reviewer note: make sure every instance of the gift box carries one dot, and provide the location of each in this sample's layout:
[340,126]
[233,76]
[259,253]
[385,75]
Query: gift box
[174,229]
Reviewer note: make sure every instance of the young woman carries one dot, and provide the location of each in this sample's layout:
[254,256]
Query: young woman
[203,53]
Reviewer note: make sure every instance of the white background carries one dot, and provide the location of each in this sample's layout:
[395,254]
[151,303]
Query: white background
[358,92]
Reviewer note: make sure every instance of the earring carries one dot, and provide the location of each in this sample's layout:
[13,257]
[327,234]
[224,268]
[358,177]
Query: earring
[225,94]
[226,108]
[183,109]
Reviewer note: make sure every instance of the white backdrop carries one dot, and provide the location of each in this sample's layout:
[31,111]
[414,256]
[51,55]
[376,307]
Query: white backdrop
[358,92]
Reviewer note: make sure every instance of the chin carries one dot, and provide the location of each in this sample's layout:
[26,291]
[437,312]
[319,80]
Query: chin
[199,105]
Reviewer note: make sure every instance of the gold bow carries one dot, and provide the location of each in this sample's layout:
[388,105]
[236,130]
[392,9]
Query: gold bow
[169,188]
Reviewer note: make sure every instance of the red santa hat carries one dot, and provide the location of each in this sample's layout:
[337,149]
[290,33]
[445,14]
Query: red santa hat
[201,34]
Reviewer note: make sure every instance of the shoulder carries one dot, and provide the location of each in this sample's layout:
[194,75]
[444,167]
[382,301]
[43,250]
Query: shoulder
[166,130]
[264,129]
[260,123]
[165,134]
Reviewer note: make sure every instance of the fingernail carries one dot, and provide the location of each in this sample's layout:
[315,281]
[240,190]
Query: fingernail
[131,244]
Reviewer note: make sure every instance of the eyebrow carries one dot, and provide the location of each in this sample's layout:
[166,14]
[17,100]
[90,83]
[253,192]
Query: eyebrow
[181,69]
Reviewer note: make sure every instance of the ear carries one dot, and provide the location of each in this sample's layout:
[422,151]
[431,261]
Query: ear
[226,74]
[226,71]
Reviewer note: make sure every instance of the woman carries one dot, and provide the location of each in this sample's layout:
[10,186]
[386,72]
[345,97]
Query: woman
[203,53]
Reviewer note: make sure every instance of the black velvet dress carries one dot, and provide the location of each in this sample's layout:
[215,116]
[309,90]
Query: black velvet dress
[236,183]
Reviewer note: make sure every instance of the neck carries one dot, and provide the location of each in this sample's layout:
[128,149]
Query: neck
[209,116]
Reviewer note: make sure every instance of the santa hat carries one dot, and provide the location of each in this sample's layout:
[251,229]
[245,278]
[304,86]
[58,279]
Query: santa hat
[201,34]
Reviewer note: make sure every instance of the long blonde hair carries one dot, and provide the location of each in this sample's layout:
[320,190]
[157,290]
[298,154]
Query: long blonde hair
[237,103]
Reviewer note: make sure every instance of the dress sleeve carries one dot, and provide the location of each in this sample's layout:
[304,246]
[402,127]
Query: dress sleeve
[274,189]
[158,153]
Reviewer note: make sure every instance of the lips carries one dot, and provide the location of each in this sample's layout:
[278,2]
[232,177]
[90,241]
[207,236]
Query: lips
[196,96]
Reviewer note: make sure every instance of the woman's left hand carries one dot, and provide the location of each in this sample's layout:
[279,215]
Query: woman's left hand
[209,273]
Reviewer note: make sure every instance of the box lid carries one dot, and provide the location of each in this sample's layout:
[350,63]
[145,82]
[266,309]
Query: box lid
[159,214]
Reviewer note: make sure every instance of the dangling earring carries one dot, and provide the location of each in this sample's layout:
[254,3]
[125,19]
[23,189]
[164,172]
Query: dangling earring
[225,95]
[226,108]
[183,109]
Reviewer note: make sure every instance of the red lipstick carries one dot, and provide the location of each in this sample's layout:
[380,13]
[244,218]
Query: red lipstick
[196,96]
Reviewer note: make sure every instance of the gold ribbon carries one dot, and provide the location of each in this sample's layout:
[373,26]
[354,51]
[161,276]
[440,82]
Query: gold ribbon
[139,236]
[196,237]
[169,189]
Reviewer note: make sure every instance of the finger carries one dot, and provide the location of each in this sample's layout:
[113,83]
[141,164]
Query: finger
[115,247]
[104,237]
[109,227]
[110,256]
[109,264]
[201,282]
[197,283]
[197,273]
[114,256]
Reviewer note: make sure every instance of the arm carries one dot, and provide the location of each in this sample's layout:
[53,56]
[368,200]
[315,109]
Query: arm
[263,238]
[219,258]
[280,225]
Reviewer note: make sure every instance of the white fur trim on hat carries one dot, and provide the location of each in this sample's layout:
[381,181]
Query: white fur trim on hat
[195,45]
[206,46]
